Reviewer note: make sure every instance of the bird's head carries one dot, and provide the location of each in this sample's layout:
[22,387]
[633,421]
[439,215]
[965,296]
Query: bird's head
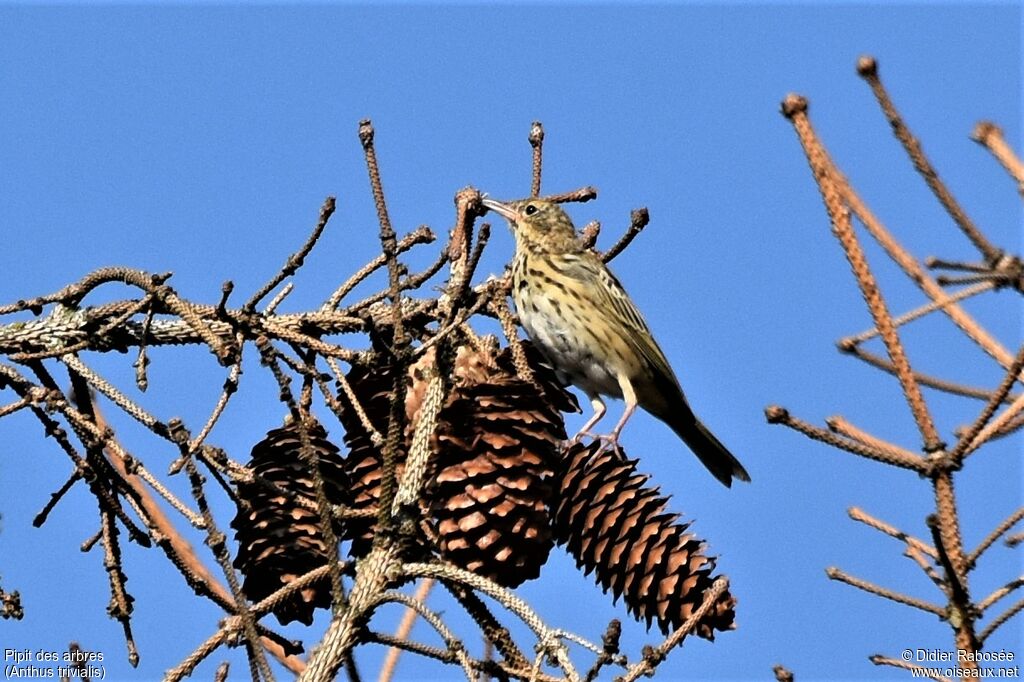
[537,224]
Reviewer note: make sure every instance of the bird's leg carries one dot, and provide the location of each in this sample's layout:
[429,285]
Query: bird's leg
[599,411]
[629,396]
[627,413]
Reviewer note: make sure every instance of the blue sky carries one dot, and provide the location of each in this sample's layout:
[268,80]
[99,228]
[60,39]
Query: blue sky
[203,139]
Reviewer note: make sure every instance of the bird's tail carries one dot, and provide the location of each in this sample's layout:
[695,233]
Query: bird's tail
[709,450]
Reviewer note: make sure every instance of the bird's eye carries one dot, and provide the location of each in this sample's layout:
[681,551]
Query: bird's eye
[530,209]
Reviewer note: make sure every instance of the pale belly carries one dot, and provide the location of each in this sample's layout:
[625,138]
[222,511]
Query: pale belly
[564,343]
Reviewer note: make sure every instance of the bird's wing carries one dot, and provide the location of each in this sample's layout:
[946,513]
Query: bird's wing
[613,301]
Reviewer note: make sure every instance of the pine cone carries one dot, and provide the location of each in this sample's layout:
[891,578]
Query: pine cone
[496,447]
[372,387]
[617,526]
[280,540]
[496,442]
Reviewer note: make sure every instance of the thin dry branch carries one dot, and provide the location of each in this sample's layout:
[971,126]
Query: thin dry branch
[589,234]
[994,536]
[779,415]
[960,610]
[927,673]
[655,656]
[921,311]
[434,620]
[493,631]
[795,107]
[64,330]
[537,142]
[295,260]
[638,220]
[1000,424]
[183,556]
[387,669]
[399,339]
[924,379]
[867,67]
[841,425]
[217,542]
[609,650]
[838,574]
[919,276]
[999,621]
[782,674]
[970,439]
[842,227]
[990,136]
[858,514]
[546,636]
[581,195]
[421,235]
[1000,593]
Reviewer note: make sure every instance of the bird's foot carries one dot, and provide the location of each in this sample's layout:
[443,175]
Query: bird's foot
[607,440]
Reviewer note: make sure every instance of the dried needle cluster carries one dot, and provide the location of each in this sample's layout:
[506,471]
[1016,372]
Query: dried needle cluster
[942,557]
[451,467]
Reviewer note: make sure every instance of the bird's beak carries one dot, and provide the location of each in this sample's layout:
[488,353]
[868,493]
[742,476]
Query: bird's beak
[504,210]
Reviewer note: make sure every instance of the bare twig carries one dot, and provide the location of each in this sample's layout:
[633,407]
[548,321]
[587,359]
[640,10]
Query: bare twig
[999,621]
[387,669]
[919,276]
[928,673]
[580,195]
[421,235]
[638,220]
[1005,590]
[109,326]
[867,67]
[609,650]
[921,311]
[779,415]
[858,514]
[922,378]
[399,340]
[229,389]
[295,260]
[589,234]
[56,497]
[494,632]
[841,425]
[994,536]
[782,674]
[842,227]
[656,656]
[969,440]
[279,297]
[998,270]
[537,142]
[837,574]
[507,599]
[990,136]
[417,607]
[1000,424]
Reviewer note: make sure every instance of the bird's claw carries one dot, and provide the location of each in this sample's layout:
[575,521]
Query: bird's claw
[607,440]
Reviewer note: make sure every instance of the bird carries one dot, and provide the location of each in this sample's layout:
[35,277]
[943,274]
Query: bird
[580,316]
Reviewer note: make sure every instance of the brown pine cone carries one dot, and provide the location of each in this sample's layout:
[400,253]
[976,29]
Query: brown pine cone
[279,539]
[616,526]
[496,450]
